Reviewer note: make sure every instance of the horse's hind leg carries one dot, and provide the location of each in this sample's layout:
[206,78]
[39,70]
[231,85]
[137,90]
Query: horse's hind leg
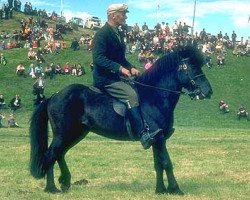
[54,150]
[65,177]
[50,185]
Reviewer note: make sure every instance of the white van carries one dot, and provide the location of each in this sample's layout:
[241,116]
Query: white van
[93,23]
[78,21]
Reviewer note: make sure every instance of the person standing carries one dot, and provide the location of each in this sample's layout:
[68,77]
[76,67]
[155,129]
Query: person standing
[110,64]
[234,37]
[10,2]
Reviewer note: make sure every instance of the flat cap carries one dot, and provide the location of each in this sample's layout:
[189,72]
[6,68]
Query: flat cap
[117,7]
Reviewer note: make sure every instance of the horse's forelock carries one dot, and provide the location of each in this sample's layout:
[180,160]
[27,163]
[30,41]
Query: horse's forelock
[194,54]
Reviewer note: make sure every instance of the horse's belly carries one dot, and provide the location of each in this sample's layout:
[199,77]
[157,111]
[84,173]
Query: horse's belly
[113,134]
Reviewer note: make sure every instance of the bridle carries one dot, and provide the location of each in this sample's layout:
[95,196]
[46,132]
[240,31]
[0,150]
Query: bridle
[182,67]
[185,68]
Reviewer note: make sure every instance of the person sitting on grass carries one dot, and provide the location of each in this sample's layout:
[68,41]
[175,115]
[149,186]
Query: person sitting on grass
[148,64]
[2,116]
[242,112]
[208,61]
[31,54]
[223,106]
[2,59]
[20,70]
[80,70]
[11,122]
[58,69]
[15,103]
[67,68]
[31,70]
[220,60]
[75,45]
[2,101]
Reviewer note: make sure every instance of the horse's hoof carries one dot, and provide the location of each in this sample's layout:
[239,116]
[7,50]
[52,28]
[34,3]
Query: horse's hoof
[65,188]
[161,191]
[52,190]
[174,191]
[65,184]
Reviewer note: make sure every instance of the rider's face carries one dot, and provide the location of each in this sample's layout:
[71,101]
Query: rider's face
[120,18]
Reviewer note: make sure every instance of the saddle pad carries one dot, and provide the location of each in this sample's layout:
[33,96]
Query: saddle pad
[119,107]
[95,89]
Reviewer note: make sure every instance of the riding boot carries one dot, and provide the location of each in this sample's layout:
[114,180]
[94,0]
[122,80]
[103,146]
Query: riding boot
[139,129]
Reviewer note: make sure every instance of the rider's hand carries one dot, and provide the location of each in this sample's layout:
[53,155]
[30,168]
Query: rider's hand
[134,72]
[125,72]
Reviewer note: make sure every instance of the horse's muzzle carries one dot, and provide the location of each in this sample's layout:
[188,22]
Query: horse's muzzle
[198,94]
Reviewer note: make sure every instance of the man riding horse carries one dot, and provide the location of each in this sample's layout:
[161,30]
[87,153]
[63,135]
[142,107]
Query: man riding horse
[110,65]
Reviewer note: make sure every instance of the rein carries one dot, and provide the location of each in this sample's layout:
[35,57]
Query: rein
[159,88]
[132,81]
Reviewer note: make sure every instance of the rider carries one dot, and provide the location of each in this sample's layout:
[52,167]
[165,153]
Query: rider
[110,65]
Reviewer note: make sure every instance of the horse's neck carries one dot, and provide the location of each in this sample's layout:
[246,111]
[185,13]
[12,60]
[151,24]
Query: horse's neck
[161,92]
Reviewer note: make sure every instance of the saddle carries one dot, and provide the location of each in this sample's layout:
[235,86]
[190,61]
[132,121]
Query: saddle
[120,108]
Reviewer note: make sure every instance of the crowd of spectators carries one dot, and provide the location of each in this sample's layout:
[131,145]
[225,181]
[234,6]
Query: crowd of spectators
[165,38]
[39,39]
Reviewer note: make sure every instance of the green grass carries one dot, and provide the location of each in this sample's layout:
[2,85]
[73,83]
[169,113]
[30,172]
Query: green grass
[208,163]
[210,150]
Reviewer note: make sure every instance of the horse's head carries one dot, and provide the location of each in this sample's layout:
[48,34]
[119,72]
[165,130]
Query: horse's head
[191,76]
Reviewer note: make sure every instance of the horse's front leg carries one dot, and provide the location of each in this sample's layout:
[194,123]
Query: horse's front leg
[163,162]
[160,187]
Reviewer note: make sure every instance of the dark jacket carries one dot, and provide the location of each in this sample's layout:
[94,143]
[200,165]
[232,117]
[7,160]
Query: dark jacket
[108,56]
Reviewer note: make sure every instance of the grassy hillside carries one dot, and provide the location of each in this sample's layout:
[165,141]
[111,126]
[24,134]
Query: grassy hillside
[230,83]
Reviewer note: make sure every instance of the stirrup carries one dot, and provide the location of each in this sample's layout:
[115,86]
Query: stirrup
[147,139]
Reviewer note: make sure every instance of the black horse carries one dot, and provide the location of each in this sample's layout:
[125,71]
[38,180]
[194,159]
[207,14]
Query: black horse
[77,109]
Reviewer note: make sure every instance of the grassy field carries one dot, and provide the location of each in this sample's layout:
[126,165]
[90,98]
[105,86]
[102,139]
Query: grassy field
[210,150]
[209,164]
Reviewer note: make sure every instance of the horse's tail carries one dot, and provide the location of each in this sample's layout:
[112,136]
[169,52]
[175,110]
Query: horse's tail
[38,140]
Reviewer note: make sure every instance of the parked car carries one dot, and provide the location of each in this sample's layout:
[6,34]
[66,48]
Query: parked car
[93,23]
[78,21]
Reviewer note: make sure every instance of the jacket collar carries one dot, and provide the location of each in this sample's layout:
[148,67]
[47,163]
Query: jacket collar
[114,34]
